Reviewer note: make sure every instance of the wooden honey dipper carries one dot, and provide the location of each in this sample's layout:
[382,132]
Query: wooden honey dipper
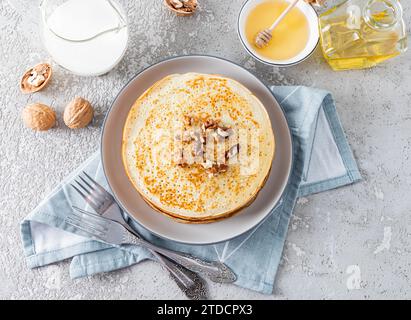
[263,37]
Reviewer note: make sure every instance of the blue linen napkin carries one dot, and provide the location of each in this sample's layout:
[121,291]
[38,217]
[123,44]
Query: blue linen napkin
[322,161]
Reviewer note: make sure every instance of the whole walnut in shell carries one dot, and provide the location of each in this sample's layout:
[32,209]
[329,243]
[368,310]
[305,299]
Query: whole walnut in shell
[39,117]
[78,113]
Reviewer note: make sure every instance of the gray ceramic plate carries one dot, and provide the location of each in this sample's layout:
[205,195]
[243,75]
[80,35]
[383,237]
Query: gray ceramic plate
[156,222]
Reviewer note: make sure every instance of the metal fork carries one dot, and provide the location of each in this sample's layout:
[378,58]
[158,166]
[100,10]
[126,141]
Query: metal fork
[104,203]
[97,227]
[192,285]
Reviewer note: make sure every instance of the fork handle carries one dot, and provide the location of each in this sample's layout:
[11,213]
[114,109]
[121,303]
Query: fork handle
[189,282]
[192,285]
[215,271]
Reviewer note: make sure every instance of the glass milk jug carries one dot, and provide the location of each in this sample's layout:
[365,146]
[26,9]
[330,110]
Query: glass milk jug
[86,37]
[362,33]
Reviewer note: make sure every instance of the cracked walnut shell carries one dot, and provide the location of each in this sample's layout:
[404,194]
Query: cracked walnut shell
[78,113]
[182,7]
[317,3]
[36,78]
[39,117]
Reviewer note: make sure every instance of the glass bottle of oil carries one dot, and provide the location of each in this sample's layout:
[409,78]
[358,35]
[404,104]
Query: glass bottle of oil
[362,33]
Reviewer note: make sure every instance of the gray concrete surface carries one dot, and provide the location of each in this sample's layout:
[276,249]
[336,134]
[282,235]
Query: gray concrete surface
[350,243]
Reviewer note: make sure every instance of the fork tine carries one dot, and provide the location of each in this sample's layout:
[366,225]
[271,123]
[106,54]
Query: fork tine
[90,217]
[90,232]
[88,220]
[85,226]
[94,194]
[82,187]
[90,200]
[88,213]
[94,182]
[97,186]
[79,191]
[88,185]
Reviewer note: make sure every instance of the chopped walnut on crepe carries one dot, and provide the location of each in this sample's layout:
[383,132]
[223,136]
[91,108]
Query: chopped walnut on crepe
[195,134]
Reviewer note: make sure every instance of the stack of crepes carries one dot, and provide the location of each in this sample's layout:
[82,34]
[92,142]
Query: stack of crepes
[198,147]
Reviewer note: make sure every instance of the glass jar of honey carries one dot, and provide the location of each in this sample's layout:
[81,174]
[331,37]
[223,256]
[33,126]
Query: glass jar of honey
[360,34]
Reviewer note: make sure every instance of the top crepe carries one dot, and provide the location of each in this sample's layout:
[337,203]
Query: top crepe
[198,147]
